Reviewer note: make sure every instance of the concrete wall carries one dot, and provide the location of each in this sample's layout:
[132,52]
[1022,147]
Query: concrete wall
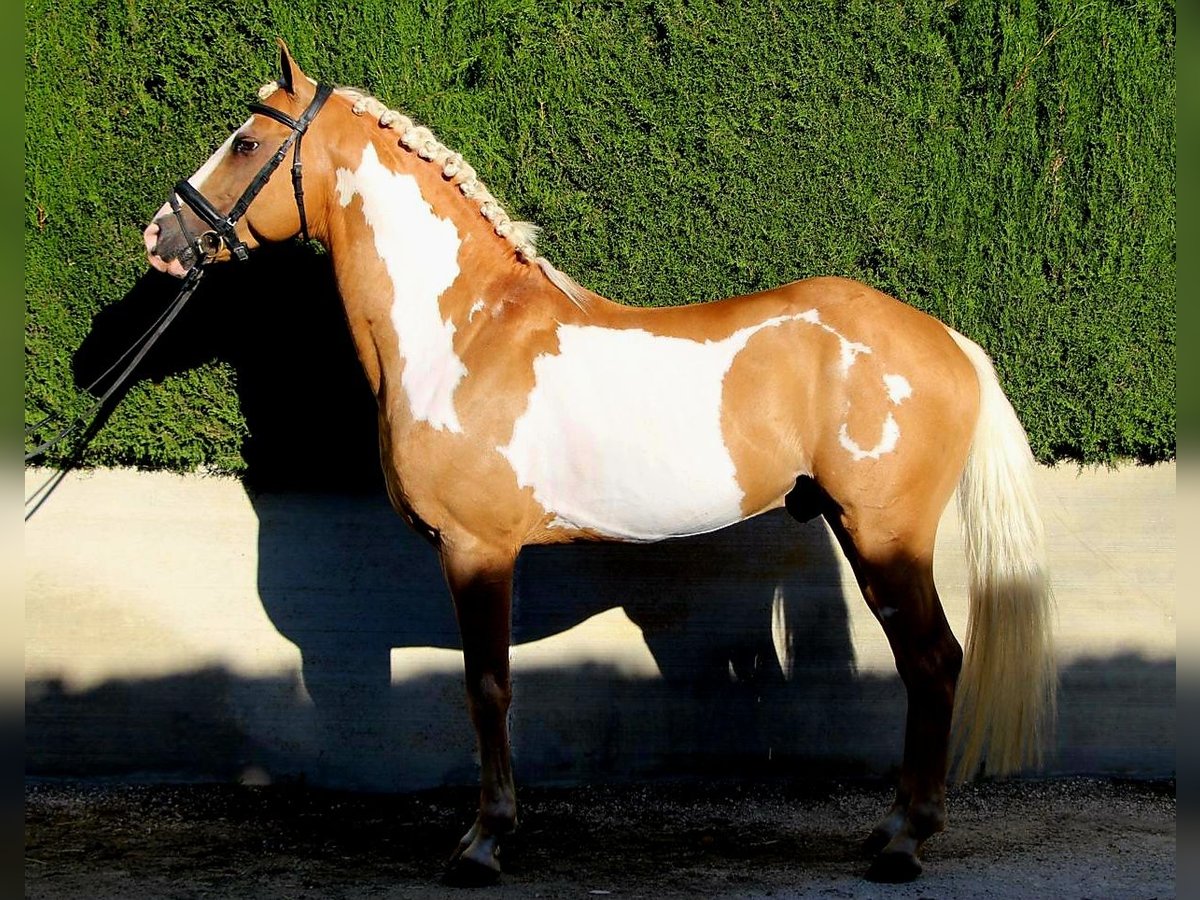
[181,627]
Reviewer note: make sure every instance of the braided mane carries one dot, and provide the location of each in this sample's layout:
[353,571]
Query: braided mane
[420,140]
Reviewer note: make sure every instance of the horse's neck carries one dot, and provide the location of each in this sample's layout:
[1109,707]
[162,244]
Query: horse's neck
[416,263]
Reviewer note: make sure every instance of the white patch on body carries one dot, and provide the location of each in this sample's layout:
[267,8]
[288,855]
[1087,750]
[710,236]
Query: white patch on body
[850,349]
[887,440]
[420,252]
[475,307]
[898,388]
[622,434]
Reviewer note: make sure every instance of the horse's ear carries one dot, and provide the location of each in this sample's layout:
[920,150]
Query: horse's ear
[289,72]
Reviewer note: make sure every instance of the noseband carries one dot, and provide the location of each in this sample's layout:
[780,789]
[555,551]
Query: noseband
[223,228]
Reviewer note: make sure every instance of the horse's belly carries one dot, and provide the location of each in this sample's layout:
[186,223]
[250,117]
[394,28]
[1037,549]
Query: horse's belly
[644,489]
[637,453]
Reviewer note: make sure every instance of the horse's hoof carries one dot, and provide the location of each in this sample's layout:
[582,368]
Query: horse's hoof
[894,867]
[476,862]
[886,830]
[464,871]
[876,841]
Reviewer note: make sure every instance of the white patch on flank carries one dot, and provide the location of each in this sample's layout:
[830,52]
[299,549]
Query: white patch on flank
[811,316]
[887,440]
[475,307]
[420,252]
[898,388]
[850,349]
[622,434]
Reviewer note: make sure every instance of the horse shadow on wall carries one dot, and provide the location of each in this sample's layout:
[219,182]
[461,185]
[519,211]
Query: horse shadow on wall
[748,627]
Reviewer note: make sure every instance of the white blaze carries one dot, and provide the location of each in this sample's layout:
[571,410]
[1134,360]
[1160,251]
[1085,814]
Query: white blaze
[200,176]
[420,252]
[197,180]
[622,434]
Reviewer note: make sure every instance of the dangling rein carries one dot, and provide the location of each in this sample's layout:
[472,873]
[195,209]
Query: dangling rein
[223,233]
[142,346]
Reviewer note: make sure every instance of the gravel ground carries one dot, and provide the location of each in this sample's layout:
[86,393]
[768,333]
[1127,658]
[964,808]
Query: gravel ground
[1058,838]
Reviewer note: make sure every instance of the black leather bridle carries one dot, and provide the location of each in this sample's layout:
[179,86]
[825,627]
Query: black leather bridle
[223,228]
[206,245]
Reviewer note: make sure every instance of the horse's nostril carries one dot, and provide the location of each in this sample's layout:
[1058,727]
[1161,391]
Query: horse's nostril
[150,237]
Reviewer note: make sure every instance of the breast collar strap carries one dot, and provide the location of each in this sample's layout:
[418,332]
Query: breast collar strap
[224,227]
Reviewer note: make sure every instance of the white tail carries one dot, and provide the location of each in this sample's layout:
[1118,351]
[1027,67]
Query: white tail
[1005,705]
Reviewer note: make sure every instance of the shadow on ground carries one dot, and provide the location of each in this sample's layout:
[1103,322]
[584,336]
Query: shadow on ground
[570,724]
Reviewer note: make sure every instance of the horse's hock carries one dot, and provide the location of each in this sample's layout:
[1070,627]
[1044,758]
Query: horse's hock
[181,626]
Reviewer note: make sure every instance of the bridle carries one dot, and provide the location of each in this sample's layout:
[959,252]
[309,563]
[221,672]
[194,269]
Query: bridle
[223,228]
[223,232]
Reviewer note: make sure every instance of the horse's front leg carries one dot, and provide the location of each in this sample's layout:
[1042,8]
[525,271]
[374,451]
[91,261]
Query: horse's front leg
[480,581]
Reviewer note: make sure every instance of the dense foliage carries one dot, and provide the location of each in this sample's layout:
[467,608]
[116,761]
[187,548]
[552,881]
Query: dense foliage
[1007,166]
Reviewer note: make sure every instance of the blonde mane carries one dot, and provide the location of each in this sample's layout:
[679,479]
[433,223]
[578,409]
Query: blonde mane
[420,140]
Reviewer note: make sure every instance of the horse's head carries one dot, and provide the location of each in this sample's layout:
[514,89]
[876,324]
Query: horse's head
[250,191]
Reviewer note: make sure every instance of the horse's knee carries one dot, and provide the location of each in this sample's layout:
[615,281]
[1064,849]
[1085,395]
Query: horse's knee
[490,696]
[939,657]
[492,691]
[953,659]
[931,666]
[906,603]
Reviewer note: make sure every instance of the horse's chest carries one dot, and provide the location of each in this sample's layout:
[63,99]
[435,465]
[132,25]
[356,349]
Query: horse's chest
[623,436]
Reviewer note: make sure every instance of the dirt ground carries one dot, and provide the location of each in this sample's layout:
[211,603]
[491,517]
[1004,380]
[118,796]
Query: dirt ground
[1058,838]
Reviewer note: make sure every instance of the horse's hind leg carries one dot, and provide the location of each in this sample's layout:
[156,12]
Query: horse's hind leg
[896,577]
[480,581]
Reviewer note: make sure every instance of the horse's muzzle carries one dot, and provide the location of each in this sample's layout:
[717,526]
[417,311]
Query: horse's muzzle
[159,255]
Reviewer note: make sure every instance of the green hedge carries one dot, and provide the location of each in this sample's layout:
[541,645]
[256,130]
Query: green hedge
[1009,167]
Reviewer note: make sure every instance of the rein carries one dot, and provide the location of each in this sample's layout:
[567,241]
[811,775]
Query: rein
[205,246]
[142,346]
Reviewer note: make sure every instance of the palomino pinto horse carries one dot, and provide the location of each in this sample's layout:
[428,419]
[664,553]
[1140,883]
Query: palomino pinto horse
[518,408]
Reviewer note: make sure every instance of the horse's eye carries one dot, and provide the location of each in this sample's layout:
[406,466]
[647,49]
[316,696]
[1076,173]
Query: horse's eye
[245,146]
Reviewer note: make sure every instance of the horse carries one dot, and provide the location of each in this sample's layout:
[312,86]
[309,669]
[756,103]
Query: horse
[518,408]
